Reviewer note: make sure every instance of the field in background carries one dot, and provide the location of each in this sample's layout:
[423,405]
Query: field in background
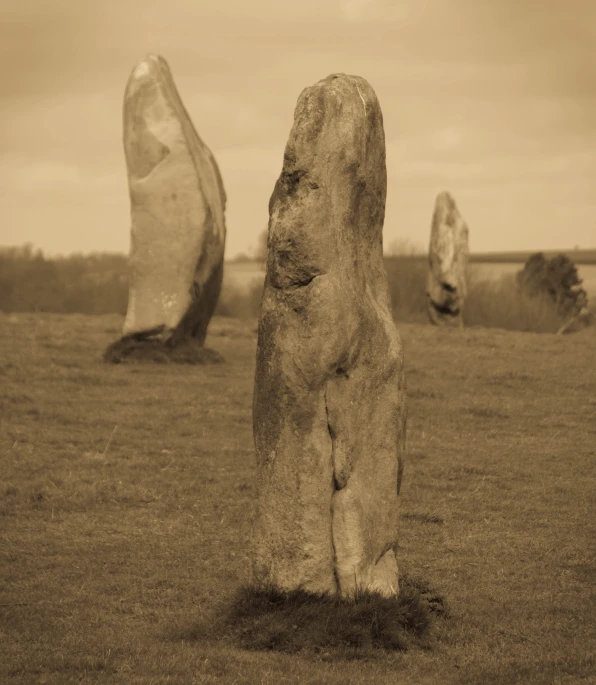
[126,493]
[576,256]
[247,273]
[98,284]
[244,274]
[493,299]
[495,270]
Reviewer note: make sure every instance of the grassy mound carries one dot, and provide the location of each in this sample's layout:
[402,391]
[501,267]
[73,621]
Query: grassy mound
[133,349]
[299,621]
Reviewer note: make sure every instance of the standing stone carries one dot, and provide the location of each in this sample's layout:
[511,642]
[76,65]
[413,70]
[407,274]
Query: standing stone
[448,257]
[329,412]
[177,203]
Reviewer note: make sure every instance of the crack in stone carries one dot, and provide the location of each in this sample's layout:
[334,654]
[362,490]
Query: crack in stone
[363,102]
[335,488]
[298,283]
[340,477]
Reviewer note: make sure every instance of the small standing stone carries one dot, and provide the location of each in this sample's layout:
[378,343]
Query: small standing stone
[448,256]
[329,408]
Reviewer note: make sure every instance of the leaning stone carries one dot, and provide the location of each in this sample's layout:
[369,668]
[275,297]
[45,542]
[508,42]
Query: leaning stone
[177,203]
[329,410]
[448,256]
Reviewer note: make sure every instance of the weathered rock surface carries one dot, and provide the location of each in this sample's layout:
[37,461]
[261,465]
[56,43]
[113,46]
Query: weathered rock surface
[329,407]
[177,211]
[448,256]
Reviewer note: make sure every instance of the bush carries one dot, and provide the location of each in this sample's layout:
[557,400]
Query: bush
[556,278]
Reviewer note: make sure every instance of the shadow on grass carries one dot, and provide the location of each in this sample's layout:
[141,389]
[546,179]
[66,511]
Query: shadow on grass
[333,627]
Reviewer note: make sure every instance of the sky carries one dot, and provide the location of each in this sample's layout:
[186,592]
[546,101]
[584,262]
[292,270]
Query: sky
[494,101]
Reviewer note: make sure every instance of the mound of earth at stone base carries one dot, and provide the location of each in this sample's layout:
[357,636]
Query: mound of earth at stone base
[136,349]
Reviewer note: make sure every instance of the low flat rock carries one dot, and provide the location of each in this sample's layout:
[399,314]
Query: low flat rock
[329,407]
[448,256]
[177,203]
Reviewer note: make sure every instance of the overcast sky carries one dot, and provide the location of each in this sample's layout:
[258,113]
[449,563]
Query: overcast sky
[493,100]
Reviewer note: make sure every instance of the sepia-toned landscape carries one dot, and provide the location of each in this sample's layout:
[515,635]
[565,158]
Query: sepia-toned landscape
[298,343]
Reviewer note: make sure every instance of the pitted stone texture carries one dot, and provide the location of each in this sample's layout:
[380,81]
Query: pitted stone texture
[177,210]
[329,407]
[448,255]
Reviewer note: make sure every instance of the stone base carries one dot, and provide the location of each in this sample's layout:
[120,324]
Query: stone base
[301,622]
[443,315]
[137,349]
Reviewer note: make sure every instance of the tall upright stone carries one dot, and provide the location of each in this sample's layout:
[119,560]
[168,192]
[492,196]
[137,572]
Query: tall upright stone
[177,204]
[329,412]
[448,257]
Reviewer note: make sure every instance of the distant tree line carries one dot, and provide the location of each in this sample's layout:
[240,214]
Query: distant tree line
[88,284]
[542,296]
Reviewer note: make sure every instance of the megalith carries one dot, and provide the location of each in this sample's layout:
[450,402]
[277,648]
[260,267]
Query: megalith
[177,202]
[329,407]
[448,257]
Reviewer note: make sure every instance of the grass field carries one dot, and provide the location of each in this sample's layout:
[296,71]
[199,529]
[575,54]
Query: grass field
[126,491]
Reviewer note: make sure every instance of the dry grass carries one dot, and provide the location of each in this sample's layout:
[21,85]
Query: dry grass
[126,494]
[499,303]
